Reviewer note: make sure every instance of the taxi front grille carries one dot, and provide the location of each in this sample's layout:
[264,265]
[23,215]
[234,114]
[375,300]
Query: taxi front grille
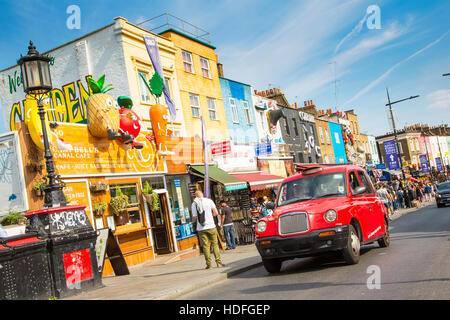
[293,223]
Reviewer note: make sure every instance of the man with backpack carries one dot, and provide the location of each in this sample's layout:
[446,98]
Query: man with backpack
[203,211]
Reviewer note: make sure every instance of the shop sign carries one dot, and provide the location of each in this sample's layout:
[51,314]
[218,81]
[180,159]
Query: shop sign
[100,156]
[263,149]
[77,194]
[304,116]
[380,166]
[277,168]
[177,183]
[236,187]
[221,148]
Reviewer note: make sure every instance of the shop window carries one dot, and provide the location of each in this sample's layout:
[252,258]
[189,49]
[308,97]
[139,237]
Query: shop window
[133,212]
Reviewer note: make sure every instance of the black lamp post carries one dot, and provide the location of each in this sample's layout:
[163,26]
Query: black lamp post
[37,83]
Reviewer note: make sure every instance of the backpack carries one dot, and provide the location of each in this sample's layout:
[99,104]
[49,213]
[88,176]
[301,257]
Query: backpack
[200,214]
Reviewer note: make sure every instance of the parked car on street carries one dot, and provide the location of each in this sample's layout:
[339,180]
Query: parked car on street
[443,194]
[320,209]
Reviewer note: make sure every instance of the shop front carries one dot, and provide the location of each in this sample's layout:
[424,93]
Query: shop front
[115,183]
[261,184]
[232,190]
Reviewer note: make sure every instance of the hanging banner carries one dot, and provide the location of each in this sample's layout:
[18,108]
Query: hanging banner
[424,163]
[391,155]
[439,164]
[153,52]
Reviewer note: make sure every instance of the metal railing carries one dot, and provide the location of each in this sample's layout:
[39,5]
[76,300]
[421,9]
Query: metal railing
[167,21]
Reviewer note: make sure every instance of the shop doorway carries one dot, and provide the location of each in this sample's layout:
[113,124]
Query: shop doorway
[160,222]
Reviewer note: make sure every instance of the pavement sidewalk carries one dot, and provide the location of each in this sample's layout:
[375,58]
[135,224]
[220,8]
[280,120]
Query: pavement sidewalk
[164,279]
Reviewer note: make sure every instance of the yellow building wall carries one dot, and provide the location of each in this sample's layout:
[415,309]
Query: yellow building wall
[197,84]
[137,59]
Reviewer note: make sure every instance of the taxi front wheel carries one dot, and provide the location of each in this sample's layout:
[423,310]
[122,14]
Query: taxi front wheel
[352,250]
[272,265]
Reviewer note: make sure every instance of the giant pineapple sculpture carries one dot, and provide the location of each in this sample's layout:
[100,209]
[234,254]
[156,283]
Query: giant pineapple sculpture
[103,119]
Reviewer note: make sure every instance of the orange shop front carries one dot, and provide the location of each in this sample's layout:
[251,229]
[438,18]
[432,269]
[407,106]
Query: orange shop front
[96,170]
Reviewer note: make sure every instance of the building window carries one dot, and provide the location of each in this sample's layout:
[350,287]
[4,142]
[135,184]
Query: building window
[187,62]
[204,64]
[295,127]
[336,136]
[212,109]
[248,115]
[286,126]
[234,112]
[143,90]
[327,136]
[195,105]
[321,134]
[326,159]
[134,211]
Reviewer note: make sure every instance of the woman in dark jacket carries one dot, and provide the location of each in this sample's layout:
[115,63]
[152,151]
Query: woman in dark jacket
[407,198]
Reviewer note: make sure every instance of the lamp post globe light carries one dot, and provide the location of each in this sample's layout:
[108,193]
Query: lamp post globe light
[35,69]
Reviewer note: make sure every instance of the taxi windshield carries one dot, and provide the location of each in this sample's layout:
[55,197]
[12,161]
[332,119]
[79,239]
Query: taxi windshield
[312,187]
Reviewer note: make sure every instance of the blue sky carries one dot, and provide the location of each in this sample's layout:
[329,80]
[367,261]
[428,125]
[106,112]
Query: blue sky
[300,47]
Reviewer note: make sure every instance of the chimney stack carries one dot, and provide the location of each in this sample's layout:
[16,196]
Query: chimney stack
[220,69]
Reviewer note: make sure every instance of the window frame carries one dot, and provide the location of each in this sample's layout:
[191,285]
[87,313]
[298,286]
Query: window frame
[194,106]
[247,112]
[208,69]
[208,99]
[190,63]
[142,87]
[234,111]
[369,186]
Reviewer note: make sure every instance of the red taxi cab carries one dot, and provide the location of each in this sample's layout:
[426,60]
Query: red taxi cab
[320,209]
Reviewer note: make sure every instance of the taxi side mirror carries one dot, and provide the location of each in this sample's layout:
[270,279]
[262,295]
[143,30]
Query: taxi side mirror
[359,190]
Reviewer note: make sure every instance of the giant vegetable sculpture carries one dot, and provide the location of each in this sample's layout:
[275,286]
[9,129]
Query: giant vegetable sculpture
[159,114]
[103,113]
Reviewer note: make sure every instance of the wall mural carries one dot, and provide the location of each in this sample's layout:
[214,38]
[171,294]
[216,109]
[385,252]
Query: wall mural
[310,142]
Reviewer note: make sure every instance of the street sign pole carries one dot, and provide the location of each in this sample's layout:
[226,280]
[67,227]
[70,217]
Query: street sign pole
[396,137]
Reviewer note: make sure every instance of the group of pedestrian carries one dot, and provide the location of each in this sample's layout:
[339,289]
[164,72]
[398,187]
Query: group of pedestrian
[259,207]
[396,195]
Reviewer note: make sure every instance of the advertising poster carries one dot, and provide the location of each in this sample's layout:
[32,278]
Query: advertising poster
[439,164]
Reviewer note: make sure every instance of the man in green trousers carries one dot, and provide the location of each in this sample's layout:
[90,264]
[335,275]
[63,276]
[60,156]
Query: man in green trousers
[204,210]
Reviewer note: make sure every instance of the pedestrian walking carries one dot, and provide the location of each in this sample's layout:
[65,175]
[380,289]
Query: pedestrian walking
[383,195]
[400,198]
[227,224]
[203,211]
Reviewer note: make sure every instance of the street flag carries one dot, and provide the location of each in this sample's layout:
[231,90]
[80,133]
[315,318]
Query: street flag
[205,158]
[152,49]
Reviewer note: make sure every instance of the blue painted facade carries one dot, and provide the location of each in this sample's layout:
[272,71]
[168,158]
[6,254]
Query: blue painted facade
[338,142]
[239,129]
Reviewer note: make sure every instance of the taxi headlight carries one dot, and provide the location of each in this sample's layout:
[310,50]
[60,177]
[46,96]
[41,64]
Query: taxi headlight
[261,226]
[330,216]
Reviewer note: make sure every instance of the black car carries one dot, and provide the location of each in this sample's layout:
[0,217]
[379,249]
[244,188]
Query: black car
[443,194]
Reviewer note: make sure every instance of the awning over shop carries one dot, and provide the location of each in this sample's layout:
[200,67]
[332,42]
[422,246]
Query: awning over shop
[259,180]
[218,175]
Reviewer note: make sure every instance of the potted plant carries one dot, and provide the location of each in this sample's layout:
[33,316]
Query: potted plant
[38,188]
[119,204]
[14,223]
[98,187]
[151,197]
[99,208]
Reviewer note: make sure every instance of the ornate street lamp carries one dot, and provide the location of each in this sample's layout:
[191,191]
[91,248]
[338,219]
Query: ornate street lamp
[37,83]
